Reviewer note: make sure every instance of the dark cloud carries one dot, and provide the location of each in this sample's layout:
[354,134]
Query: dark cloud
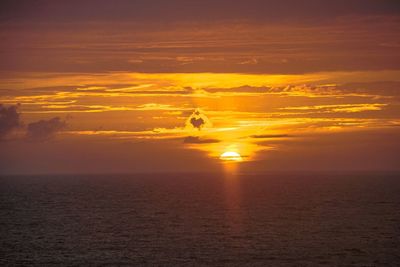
[103,88]
[380,88]
[375,88]
[267,136]
[198,140]
[44,129]
[9,120]
[198,120]
[240,89]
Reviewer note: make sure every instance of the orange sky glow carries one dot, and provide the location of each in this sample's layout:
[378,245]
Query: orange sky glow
[98,92]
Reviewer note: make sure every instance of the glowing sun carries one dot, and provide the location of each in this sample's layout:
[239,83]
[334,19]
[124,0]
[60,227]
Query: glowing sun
[231,156]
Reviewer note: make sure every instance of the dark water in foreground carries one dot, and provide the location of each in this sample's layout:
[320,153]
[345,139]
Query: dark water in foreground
[192,219]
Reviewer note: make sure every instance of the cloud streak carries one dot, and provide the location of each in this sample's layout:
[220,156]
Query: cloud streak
[199,140]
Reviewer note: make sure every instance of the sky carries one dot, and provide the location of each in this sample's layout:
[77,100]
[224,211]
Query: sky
[170,86]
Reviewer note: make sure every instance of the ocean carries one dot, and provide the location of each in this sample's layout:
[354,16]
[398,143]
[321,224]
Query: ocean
[273,219]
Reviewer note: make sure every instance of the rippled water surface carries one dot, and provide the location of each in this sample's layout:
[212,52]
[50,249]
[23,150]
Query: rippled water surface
[301,219]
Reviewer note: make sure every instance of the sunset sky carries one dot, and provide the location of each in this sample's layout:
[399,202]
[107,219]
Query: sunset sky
[155,86]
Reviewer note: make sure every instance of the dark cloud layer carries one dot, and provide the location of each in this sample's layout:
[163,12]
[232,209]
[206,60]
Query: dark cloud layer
[269,136]
[182,10]
[199,36]
[198,140]
[44,129]
[9,120]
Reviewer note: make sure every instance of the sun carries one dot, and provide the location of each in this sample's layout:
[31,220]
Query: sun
[230,156]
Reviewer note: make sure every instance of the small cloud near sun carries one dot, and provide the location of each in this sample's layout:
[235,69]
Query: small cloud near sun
[198,140]
[198,120]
